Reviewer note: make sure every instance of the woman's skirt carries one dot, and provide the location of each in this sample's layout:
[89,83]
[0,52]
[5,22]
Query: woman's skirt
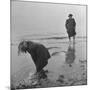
[71,32]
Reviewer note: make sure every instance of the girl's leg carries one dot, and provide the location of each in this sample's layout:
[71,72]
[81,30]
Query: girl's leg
[69,39]
[73,39]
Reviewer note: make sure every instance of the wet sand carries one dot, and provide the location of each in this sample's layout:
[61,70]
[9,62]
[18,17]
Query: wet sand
[66,67]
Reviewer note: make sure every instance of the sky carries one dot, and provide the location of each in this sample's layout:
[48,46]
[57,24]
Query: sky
[28,18]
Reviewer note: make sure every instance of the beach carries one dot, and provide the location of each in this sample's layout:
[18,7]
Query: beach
[66,67]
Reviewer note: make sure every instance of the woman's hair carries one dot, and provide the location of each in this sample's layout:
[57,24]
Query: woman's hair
[22,47]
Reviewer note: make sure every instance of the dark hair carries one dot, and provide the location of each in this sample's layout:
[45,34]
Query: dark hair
[70,15]
[22,48]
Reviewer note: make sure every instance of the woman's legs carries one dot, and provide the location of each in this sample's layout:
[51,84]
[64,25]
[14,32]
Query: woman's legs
[69,38]
[73,39]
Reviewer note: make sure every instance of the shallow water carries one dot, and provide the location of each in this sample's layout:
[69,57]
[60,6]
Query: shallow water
[67,65]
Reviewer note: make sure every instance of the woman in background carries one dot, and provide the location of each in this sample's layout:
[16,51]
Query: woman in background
[70,26]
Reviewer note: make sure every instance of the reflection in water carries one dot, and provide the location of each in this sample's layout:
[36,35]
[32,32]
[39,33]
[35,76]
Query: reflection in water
[70,54]
[42,74]
[34,80]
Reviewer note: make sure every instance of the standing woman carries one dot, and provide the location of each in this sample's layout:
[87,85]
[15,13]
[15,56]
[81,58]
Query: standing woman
[70,26]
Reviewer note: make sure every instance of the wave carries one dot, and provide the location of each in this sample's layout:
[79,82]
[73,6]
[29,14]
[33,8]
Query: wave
[41,39]
[53,38]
